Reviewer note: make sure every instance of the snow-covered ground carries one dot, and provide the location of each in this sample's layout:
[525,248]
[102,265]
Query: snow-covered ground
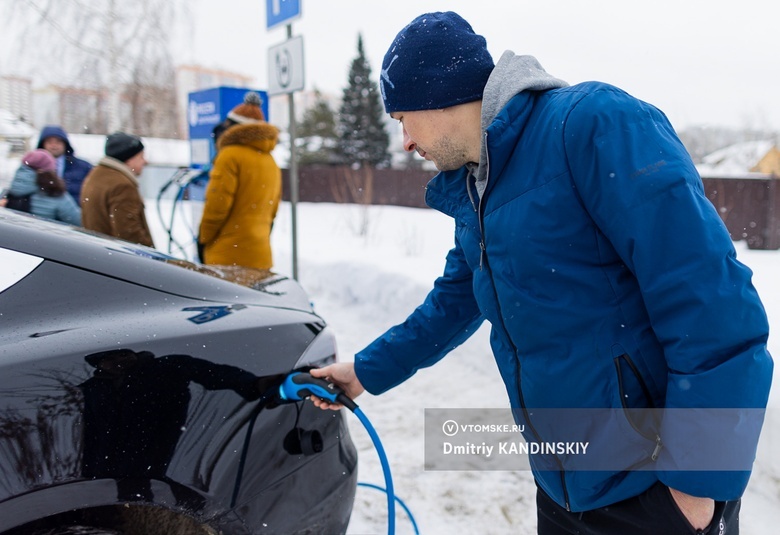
[363,284]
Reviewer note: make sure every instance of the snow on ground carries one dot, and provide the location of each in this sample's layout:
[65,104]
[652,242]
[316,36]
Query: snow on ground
[363,284]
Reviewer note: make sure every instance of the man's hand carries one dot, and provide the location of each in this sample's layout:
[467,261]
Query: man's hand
[342,374]
[698,511]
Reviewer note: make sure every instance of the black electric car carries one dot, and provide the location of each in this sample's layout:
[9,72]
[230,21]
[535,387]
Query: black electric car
[139,394]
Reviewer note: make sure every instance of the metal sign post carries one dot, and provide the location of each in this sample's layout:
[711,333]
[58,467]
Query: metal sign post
[285,75]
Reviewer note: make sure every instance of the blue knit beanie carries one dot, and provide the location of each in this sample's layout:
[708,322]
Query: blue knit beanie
[435,62]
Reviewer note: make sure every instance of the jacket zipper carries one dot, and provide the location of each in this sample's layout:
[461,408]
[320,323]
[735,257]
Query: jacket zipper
[477,208]
[482,262]
[482,248]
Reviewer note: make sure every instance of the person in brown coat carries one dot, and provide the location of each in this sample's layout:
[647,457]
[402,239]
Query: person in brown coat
[243,192]
[110,199]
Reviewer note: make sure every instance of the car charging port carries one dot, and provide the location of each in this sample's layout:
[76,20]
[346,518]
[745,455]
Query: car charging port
[300,441]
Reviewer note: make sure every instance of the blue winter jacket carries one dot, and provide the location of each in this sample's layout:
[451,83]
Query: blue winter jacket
[76,169]
[62,208]
[610,283]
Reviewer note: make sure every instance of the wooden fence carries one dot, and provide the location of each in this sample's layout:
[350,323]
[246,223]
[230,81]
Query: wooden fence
[750,207]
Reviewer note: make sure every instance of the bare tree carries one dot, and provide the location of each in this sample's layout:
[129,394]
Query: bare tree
[108,45]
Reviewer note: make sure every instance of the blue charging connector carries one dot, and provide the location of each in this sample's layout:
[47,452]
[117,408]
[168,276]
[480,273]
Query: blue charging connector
[300,385]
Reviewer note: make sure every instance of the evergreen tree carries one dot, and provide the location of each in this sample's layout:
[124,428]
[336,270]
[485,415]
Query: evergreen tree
[317,138]
[363,138]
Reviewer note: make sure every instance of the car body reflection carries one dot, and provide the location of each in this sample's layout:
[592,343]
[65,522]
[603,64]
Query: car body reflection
[131,382]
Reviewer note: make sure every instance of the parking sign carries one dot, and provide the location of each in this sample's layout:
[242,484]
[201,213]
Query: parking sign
[281,11]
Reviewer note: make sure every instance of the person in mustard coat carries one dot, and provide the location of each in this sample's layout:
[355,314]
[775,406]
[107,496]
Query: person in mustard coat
[243,192]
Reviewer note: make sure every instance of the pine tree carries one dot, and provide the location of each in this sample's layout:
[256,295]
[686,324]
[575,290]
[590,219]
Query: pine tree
[363,138]
[317,138]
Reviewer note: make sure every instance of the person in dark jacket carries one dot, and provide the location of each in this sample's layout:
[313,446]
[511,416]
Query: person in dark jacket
[111,199]
[72,170]
[620,314]
[37,178]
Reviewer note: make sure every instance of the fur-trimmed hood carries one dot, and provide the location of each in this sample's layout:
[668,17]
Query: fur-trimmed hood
[260,136]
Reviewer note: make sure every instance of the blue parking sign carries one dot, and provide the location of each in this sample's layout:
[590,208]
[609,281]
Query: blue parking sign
[281,11]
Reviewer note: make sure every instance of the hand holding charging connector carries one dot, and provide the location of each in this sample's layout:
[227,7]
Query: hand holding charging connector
[300,385]
[344,376]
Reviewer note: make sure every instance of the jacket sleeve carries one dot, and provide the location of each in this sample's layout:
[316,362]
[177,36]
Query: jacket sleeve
[640,186]
[212,376]
[68,211]
[220,195]
[447,318]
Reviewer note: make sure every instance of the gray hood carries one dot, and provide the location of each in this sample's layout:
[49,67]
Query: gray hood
[511,75]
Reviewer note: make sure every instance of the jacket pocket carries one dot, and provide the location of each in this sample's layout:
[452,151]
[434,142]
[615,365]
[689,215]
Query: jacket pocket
[635,398]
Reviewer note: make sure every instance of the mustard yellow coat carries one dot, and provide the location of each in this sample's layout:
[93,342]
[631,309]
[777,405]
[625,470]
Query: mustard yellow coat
[242,198]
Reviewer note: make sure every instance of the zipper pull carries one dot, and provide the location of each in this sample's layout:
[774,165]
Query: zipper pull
[481,253]
[657,449]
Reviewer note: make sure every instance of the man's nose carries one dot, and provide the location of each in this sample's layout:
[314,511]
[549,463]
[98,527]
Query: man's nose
[409,145]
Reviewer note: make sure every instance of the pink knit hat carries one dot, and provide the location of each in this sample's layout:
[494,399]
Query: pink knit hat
[39,160]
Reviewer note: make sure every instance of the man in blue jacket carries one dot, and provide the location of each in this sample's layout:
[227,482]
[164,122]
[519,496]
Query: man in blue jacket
[582,234]
[71,169]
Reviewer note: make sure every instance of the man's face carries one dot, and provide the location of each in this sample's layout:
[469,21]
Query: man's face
[55,146]
[137,163]
[434,135]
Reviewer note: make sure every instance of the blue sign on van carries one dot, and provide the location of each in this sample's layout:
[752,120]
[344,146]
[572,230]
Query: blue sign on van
[281,11]
[205,110]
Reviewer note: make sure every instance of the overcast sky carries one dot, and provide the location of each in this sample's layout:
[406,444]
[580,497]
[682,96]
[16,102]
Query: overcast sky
[703,62]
